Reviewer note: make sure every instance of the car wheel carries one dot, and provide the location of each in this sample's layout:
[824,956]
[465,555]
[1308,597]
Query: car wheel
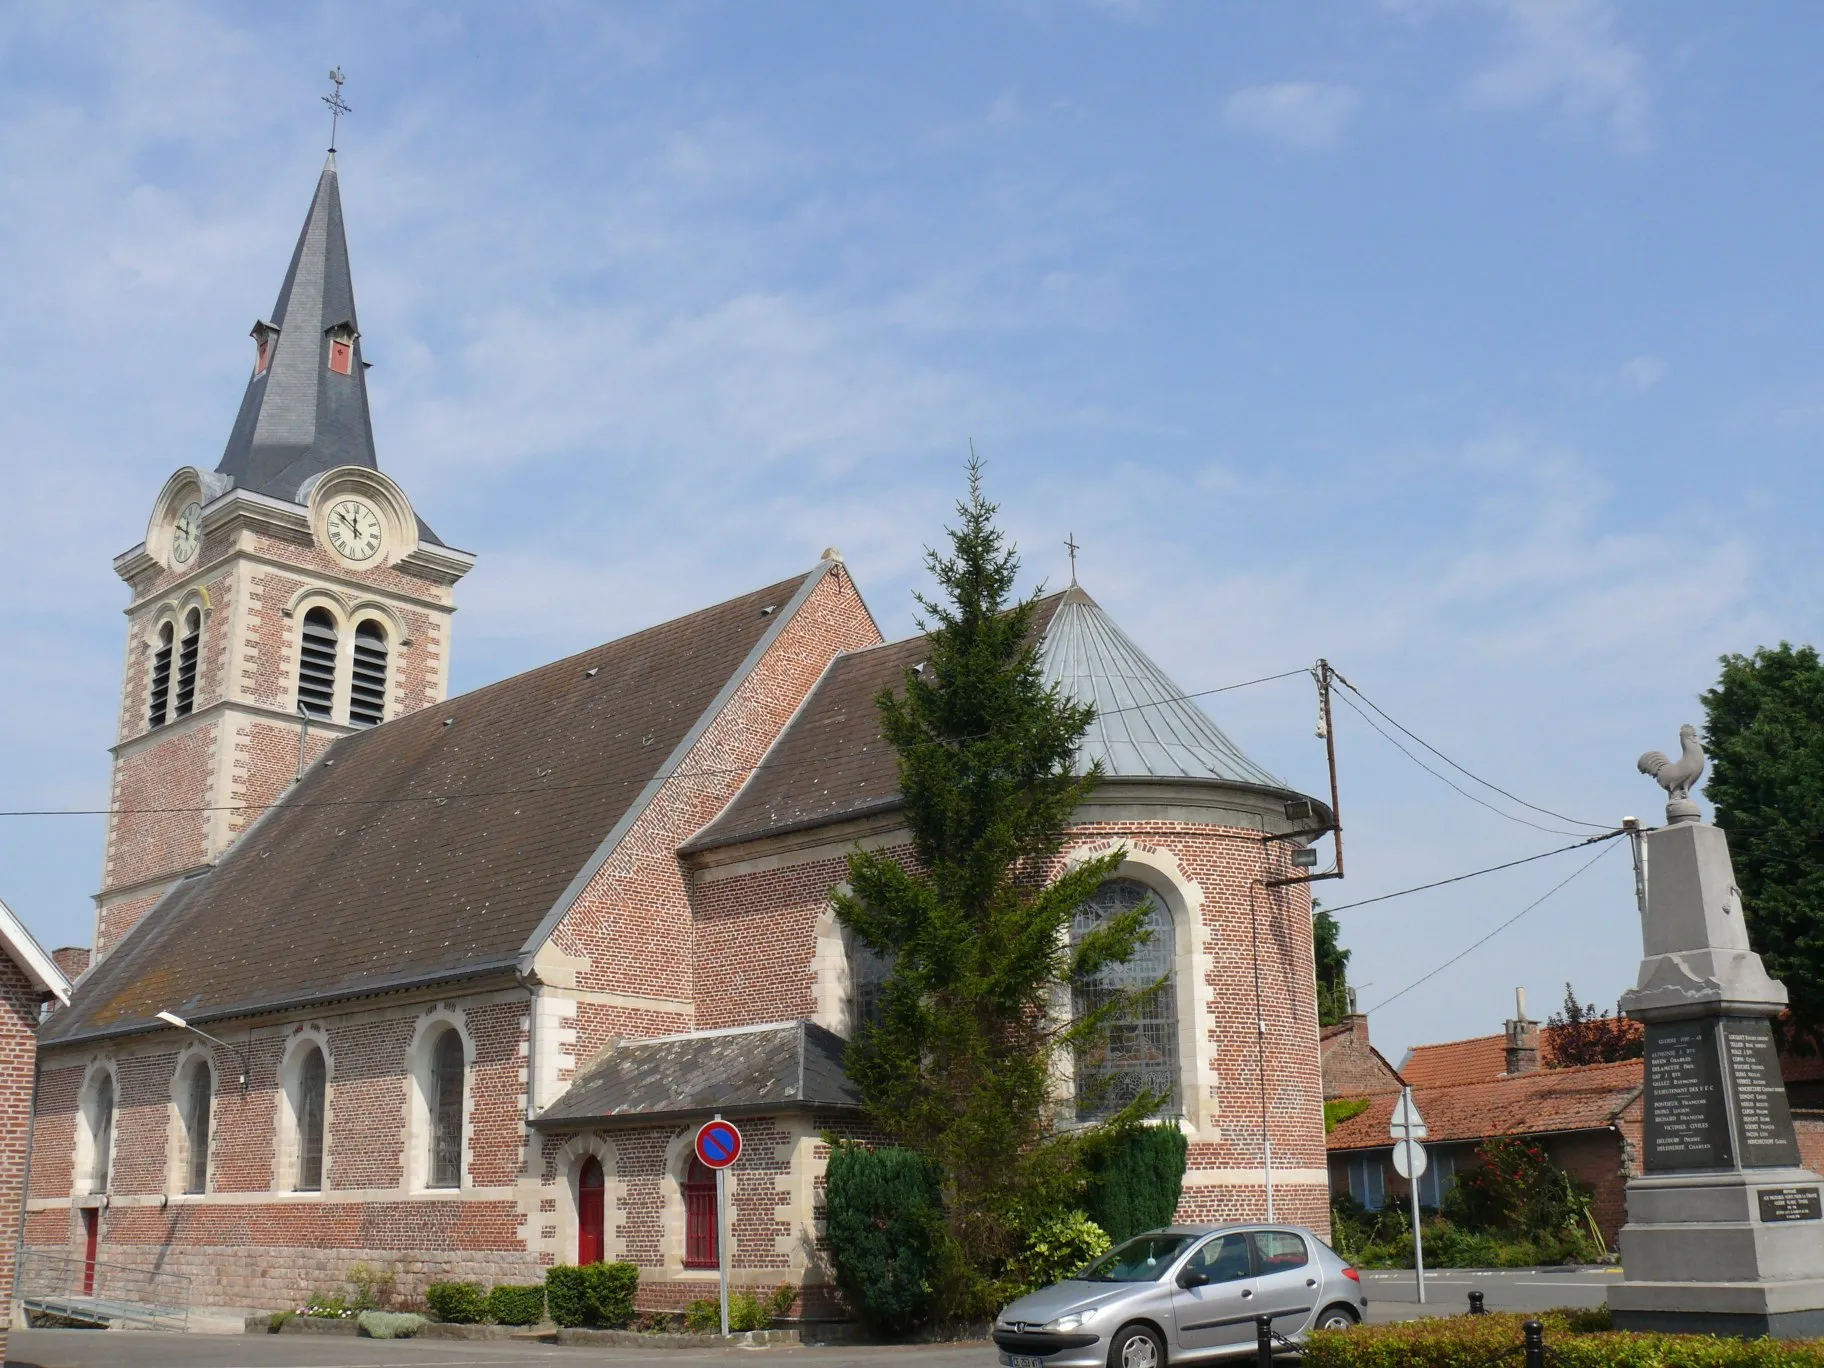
[1338,1317]
[1136,1346]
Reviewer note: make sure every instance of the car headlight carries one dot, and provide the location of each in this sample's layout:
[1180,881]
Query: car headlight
[1070,1322]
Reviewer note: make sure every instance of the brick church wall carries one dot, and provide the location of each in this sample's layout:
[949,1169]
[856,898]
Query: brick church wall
[19,998]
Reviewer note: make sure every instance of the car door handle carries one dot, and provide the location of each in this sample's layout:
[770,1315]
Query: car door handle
[1246,1292]
[1310,1282]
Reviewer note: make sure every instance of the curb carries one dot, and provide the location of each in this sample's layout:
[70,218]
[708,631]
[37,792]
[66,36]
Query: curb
[747,1339]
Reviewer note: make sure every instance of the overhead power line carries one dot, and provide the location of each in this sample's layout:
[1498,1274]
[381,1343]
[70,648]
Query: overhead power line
[1467,950]
[1478,873]
[1466,773]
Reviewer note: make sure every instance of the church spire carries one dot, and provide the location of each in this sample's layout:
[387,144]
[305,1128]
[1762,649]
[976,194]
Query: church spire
[305,410]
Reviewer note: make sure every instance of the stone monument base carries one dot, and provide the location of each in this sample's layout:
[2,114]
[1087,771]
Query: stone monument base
[1723,1252]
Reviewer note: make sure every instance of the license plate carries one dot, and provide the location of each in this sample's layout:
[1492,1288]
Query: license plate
[1025,1361]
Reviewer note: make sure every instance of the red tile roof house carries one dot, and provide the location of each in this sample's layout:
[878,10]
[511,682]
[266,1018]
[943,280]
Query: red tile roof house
[492,960]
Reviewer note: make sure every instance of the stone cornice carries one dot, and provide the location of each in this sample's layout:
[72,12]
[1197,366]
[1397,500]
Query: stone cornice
[145,740]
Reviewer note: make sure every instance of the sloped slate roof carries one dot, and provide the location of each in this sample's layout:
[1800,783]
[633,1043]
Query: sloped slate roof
[420,850]
[832,762]
[1144,728]
[1544,1102]
[793,1064]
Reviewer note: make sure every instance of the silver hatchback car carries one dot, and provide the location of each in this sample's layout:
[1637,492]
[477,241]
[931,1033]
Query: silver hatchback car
[1184,1294]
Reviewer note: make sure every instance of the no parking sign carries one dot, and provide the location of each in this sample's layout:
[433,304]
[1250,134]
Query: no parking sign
[718,1144]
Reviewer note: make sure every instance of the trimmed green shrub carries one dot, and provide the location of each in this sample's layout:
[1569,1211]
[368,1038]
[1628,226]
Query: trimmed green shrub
[598,1295]
[459,1303]
[1574,1339]
[745,1311]
[1057,1248]
[517,1304]
[884,1222]
[389,1324]
[704,1316]
[1135,1177]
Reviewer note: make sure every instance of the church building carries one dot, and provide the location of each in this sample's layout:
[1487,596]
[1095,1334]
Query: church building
[445,986]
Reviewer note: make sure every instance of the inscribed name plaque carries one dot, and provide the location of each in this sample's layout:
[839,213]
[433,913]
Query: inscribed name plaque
[1790,1204]
[1686,1123]
[1763,1122]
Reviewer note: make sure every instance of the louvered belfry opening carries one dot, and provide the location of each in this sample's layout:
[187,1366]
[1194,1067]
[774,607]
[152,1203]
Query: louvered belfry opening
[161,679]
[187,652]
[317,664]
[367,691]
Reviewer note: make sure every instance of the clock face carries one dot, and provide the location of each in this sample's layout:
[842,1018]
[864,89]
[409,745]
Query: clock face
[187,535]
[354,529]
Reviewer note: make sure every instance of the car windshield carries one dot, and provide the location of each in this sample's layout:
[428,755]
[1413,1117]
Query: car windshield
[1142,1259]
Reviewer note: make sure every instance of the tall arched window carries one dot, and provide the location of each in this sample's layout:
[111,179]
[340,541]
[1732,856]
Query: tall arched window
[700,1250]
[317,664]
[312,1085]
[199,1099]
[101,1133]
[161,678]
[367,687]
[188,649]
[446,1111]
[867,976]
[590,1218]
[1139,1052]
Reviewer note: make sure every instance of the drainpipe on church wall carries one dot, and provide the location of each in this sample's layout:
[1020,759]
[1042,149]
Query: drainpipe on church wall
[531,984]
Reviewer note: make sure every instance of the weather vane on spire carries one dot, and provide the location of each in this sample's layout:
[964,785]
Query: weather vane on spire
[337,108]
[1070,545]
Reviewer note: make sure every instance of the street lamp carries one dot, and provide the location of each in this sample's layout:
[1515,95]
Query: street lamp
[173,1019]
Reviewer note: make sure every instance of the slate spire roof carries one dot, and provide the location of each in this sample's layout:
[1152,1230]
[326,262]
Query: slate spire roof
[299,418]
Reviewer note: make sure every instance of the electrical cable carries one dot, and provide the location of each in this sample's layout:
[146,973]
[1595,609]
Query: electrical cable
[1446,780]
[1477,873]
[1581,869]
[1544,811]
[441,798]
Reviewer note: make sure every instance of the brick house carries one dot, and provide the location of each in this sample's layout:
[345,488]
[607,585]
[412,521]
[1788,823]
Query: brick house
[1352,1067]
[458,978]
[29,981]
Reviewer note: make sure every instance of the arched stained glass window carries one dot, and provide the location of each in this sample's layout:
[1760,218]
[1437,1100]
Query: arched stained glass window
[1139,1052]
[313,1081]
[446,1111]
[867,976]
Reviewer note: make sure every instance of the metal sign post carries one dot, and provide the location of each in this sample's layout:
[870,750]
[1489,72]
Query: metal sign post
[718,1146]
[1409,1159]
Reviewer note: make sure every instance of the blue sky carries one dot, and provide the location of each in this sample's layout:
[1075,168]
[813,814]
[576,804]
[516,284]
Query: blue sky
[1470,345]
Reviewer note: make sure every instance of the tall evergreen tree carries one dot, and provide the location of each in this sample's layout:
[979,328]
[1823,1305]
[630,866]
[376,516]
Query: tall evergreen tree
[1765,735]
[1332,967]
[960,1063]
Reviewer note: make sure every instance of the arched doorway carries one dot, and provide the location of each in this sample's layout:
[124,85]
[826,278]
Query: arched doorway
[589,1233]
[699,1216]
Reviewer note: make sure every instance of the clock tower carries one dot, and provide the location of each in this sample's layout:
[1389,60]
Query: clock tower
[287,597]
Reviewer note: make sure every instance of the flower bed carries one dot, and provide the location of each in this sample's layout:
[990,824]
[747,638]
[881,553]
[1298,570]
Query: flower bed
[1574,1339]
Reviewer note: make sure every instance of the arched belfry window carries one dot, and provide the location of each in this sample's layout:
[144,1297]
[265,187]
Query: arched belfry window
[367,687]
[161,678]
[447,1068]
[308,1107]
[198,1103]
[317,664]
[1139,1052]
[189,647]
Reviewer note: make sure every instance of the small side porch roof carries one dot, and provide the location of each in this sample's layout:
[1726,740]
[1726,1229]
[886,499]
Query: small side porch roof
[742,1070]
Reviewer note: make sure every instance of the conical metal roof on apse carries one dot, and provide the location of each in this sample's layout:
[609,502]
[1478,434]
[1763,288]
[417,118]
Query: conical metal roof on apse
[1144,726]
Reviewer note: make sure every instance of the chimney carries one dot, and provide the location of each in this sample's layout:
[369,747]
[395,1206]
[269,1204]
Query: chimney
[1522,1038]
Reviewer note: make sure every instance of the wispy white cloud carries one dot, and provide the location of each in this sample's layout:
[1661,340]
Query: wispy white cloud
[1296,113]
[1565,54]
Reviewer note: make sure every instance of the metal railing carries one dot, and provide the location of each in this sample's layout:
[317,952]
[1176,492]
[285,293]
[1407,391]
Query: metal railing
[102,1293]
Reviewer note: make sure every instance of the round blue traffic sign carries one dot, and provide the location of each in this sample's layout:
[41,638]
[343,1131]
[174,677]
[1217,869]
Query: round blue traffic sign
[718,1144]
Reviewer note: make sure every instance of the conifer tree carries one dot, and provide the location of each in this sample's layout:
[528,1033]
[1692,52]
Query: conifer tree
[960,1063]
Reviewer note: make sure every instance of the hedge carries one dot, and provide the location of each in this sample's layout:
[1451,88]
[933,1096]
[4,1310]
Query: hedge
[884,1220]
[598,1295]
[517,1304]
[1574,1339]
[1135,1179]
[459,1303]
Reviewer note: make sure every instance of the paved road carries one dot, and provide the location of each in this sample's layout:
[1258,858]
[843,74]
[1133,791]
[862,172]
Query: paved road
[1391,1296]
[143,1349]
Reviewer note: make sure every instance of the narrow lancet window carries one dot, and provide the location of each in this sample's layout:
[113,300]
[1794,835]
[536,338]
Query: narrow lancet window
[317,664]
[367,691]
[196,1127]
[188,650]
[446,1111]
[101,1133]
[161,679]
[313,1079]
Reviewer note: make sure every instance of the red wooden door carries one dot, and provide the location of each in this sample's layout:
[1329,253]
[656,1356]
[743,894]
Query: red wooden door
[589,1188]
[91,1238]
